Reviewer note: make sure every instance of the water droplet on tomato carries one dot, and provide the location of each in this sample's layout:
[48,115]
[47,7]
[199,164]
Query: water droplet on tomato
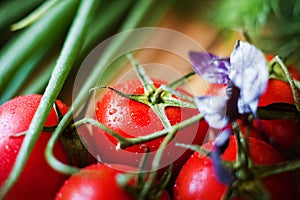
[7,147]
[112,111]
[206,162]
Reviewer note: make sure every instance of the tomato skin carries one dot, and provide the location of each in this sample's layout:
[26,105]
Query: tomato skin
[38,180]
[197,179]
[277,92]
[97,181]
[282,132]
[133,119]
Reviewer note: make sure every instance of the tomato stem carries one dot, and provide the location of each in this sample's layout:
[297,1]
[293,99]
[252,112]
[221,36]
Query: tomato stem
[145,79]
[195,147]
[269,170]
[179,81]
[289,79]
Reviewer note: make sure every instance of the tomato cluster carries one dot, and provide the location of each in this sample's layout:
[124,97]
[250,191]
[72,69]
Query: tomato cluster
[194,175]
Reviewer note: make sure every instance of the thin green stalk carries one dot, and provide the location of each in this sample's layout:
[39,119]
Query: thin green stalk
[96,32]
[179,81]
[19,9]
[38,85]
[44,33]
[66,60]
[266,171]
[145,79]
[35,15]
[156,163]
[132,21]
[128,142]
[20,77]
[291,82]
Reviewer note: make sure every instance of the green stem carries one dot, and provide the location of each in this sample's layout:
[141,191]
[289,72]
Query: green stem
[145,79]
[96,33]
[66,60]
[291,82]
[20,76]
[179,81]
[128,142]
[156,163]
[196,148]
[44,33]
[266,171]
[34,16]
[38,85]
[179,94]
[132,21]
[96,123]
[134,141]
[19,9]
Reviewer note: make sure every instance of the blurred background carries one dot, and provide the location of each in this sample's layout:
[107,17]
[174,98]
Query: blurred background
[29,48]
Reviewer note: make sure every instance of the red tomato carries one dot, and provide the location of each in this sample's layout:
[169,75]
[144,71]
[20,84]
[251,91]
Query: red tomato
[133,119]
[197,179]
[38,180]
[95,182]
[282,132]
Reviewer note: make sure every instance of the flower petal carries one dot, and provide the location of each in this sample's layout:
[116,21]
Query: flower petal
[249,72]
[210,67]
[214,110]
[224,175]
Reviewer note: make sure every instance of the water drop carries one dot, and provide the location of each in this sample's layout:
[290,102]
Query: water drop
[112,111]
[7,147]
[206,162]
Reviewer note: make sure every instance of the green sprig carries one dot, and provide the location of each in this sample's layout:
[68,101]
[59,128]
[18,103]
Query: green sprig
[64,64]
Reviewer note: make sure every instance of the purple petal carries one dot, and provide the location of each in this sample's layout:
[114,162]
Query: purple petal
[249,72]
[214,110]
[224,175]
[210,67]
[222,141]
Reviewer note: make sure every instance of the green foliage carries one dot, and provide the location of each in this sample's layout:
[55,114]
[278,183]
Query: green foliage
[272,25]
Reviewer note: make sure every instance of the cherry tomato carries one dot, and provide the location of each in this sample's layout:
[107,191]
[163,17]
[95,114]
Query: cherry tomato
[38,180]
[132,119]
[282,132]
[197,178]
[98,181]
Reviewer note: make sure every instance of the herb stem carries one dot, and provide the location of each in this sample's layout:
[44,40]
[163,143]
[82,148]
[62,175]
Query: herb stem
[132,21]
[63,66]
[29,41]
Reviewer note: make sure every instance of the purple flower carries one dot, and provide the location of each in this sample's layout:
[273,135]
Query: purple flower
[224,175]
[213,109]
[210,67]
[249,72]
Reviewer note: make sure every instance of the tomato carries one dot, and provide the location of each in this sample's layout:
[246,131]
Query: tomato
[132,119]
[38,180]
[197,178]
[98,181]
[277,92]
[282,132]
